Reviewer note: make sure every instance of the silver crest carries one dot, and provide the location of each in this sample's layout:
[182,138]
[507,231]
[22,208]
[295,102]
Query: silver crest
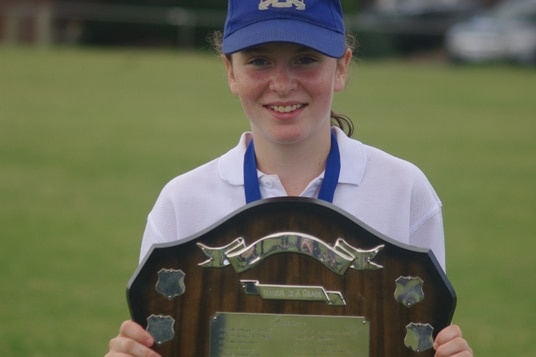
[170,283]
[161,328]
[409,291]
[419,337]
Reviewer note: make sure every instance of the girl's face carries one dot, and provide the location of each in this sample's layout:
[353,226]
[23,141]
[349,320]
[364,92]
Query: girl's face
[286,90]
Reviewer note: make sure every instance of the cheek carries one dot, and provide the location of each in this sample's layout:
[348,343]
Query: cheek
[321,86]
[247,85]
[321,92]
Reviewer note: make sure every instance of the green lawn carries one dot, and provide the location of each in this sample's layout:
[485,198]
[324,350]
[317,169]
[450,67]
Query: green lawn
[89,137]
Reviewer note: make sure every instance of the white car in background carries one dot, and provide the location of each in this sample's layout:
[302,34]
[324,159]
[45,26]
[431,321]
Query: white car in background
[507,32]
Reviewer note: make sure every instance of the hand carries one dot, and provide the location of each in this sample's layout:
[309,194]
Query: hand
[450,343]
[132,341]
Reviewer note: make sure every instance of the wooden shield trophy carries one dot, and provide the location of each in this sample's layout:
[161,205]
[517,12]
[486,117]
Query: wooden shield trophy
[291,277]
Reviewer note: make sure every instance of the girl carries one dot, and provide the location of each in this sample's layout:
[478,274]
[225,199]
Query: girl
[284,61]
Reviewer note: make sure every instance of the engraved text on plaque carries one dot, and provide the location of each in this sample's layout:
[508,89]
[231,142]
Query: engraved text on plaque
[264,335]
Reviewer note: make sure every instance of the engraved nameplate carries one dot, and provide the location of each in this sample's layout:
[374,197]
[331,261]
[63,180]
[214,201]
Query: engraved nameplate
[268,335]
[293,292]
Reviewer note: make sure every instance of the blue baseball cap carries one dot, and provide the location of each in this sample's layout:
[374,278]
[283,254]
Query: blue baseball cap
[317,24]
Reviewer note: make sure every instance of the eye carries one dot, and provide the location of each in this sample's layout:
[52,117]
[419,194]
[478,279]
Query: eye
[306,59]
[258,61]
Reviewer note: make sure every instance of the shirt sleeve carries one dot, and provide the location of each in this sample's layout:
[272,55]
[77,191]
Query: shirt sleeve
[430,234]
[150,237]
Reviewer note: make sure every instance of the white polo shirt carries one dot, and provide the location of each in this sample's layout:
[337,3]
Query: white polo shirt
[386,193]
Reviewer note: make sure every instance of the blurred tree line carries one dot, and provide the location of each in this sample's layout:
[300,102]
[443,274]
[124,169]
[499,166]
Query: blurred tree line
[93,31]
[348,5]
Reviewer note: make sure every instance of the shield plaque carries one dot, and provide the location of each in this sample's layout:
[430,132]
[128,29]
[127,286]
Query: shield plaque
[291,277]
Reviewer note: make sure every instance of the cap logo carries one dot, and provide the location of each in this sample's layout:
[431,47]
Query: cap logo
[316,24]
[266,4]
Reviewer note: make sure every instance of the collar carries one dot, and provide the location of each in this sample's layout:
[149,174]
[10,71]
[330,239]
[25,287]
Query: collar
[353,160]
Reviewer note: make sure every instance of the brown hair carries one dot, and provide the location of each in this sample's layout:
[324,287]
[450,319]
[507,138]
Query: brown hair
[341,121]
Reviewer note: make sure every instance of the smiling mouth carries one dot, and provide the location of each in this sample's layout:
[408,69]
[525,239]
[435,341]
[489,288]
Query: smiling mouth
[286,108]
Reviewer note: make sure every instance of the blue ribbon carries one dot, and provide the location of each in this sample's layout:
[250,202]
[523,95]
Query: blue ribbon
[329,183]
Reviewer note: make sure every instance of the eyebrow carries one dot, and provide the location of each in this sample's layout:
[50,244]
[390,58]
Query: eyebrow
[264,48]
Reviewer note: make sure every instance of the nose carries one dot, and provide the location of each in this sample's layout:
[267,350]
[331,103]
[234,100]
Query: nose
[283,81]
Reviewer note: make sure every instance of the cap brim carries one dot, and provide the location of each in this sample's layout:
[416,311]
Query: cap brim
[328,42]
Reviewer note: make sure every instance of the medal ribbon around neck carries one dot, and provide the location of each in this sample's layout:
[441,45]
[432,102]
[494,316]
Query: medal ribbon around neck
[329,183]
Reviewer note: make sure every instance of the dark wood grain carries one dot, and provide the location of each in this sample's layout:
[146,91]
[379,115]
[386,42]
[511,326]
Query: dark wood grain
[368,293]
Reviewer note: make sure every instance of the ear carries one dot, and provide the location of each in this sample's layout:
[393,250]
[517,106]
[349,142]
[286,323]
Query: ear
[343,65]
[231,80]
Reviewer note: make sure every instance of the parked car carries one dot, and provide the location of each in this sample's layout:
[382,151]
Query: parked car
[415,25]
[507,32]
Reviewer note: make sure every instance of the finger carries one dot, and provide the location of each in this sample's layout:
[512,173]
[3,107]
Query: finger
[134,331]
[450,342]
[117,354]
[447,334]
[457,347]
[126,347]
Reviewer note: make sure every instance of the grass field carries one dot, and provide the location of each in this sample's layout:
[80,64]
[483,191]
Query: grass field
[88,138]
